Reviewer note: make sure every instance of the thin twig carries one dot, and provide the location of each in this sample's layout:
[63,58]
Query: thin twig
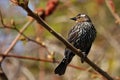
[21,33]
[24,28]
[43,60]
[68,45]
[17,38]
[110,39]
[26,37]
[111,7]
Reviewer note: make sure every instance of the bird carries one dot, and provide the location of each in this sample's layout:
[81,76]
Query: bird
[81,36]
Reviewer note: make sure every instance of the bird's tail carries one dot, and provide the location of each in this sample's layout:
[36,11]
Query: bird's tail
[60,69]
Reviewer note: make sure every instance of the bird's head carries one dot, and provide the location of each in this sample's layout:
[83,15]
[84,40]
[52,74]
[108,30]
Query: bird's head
[81,18]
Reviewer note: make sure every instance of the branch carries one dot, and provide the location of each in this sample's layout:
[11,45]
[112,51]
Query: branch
[25,2]
[15,40]
[111,7]
[44,60]
[110,38]
[68,45]
[26,37]
[17,37]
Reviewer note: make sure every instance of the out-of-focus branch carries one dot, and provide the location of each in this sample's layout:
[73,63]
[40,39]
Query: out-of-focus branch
[17,37]
[68,45]
[20,32]
[25,2]
[111,7]
[50,7]
[51,61]
[15,40]
[110,39]
[44,60]
[26,37]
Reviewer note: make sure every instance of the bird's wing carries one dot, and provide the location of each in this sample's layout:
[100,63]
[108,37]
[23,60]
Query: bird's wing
[74,34]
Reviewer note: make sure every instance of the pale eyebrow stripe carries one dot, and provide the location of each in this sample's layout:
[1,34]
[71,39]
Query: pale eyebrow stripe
[83,15]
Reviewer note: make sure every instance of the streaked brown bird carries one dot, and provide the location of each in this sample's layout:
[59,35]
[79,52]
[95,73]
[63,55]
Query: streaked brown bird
[80,36]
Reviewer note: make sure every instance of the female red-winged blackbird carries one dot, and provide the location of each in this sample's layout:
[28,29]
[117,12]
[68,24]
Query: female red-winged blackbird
[80,36]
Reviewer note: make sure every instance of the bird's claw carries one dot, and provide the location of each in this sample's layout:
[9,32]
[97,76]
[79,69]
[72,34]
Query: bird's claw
[83,57]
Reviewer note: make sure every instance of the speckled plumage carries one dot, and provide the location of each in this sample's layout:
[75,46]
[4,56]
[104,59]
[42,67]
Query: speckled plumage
[81,36]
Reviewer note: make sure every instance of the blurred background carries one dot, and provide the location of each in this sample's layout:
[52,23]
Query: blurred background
[105,50]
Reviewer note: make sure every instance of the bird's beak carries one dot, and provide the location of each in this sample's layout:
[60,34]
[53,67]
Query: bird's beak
[74,18]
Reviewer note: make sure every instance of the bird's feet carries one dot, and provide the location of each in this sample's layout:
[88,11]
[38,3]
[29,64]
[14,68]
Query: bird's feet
[84,55]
